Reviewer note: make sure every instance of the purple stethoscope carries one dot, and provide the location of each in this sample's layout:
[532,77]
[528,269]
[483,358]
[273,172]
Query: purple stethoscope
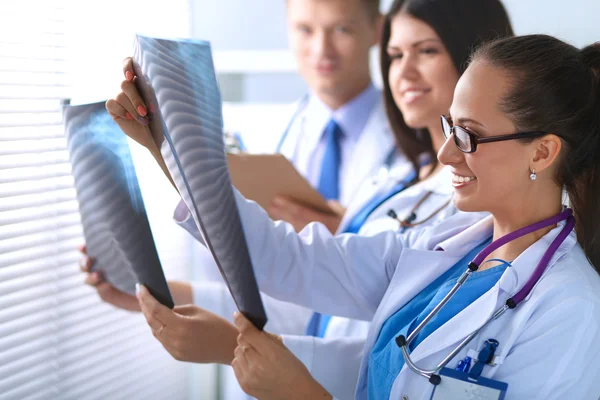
[514,301]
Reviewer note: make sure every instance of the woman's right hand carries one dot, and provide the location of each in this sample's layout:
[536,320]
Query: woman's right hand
[129,111]
[267,370]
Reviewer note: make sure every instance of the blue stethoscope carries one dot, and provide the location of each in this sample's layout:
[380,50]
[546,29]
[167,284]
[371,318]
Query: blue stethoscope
[403,342]
[384,172]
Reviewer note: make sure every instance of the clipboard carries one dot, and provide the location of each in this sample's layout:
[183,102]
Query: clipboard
[261,177]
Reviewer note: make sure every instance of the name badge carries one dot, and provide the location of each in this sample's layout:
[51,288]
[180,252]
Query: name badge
[456,385]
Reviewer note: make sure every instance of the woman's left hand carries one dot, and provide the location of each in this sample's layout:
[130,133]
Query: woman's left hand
[267,370]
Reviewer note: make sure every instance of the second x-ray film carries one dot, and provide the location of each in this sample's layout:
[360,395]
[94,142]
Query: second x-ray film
[115,223]
[177,80]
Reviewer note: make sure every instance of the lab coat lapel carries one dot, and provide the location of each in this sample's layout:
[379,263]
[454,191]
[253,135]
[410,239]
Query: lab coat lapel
[426,258]
[477,313]
[374,145]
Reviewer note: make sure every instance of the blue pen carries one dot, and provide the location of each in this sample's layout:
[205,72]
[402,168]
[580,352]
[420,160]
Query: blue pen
[464,365]
[485,356]
[238,138]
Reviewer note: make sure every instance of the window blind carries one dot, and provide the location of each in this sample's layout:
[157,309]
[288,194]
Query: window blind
[57,339]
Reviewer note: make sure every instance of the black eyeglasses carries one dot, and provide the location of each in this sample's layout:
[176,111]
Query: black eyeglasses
[467,142]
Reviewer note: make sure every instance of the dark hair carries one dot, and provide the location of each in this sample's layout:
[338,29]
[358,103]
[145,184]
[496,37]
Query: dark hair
[461,25]
[556,88]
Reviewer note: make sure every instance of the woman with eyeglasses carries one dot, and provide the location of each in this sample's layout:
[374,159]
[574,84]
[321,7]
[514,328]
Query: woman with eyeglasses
[506,308]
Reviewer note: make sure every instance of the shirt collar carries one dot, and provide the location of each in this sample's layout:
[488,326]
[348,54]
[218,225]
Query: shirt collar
[352,116]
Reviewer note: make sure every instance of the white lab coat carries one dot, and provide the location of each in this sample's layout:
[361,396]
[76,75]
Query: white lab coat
[339,327]
[548,345]
[376,142]
[368,165]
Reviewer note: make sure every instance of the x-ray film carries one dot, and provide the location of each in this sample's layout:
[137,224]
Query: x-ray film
[177,80]
[115,224]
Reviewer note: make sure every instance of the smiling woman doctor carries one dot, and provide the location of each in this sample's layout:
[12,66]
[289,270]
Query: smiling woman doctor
[524,124]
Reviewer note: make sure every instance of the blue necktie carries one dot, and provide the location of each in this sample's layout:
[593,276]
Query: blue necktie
[329,187]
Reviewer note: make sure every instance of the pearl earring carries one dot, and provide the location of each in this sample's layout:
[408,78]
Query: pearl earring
[533,175]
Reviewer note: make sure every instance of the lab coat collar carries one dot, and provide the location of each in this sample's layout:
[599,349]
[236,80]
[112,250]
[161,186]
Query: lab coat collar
[469,238]
[352,117]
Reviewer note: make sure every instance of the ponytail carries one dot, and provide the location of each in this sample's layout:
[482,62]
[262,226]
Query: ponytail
[584,194]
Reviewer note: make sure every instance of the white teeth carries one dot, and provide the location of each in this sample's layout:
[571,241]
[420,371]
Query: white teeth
[462,179]
[411,94]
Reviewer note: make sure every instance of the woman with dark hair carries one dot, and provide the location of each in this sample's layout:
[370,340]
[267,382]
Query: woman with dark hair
[508,307]
[460,26]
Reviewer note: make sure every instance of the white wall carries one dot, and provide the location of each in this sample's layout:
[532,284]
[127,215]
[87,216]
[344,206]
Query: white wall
[240,24]
[102,35]
[574,21]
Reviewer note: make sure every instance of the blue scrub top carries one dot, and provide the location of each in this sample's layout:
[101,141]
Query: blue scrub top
[386,360]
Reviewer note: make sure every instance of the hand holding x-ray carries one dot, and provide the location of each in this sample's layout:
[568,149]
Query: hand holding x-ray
[178,88]
[131,113]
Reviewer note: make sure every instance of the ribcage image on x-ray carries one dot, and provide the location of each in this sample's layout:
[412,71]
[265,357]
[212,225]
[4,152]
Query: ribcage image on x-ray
[115,224]
[177,80]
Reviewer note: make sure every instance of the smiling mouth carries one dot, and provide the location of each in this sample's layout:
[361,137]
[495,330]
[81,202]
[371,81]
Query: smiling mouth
[325,68]
[459,180]
[408,96]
